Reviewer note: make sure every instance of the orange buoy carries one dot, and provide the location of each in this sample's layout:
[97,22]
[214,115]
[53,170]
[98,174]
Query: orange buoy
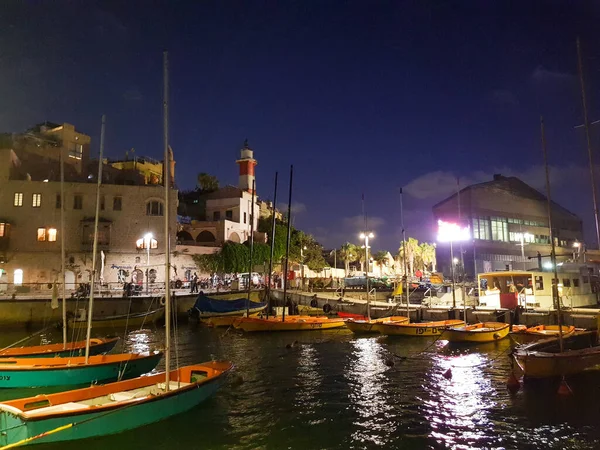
[447,374]
[513,384]
[564,388]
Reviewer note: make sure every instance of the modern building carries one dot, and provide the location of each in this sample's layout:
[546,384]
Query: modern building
[508,228]
[131,233]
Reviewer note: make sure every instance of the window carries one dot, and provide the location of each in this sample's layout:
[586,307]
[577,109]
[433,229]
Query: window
[154,208]
[36,200]
[18,201]
[576,282]
[566,282]
[539,283]
[481,228]
[563,243]
[499,228]
[51,234]
[77,201]
[542,239]
[140,244]
[75,150]
[58,201]
[18,277]
[41,234]
[102,202]
[117,203]
[2,229]
[244,217]
[229,214]
[216,216]
[103,234]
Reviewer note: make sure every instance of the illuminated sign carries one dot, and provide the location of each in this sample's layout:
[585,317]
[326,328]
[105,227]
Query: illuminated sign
[452,232]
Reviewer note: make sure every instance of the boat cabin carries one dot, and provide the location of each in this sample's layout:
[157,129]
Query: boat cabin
[578,286]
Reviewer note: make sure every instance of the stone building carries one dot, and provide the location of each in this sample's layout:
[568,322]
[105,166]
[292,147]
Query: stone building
[508,227]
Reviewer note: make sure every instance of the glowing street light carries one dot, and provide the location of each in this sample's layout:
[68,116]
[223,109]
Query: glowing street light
[522,237]
[366,236]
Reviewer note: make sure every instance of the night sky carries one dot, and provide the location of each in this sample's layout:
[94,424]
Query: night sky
[362,97]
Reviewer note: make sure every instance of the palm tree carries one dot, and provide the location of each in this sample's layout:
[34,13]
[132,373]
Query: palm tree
[380,258]
[412,253]
[348,253]
[428,256]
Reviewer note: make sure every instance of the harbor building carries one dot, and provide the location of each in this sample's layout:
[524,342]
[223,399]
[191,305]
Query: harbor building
[508,229]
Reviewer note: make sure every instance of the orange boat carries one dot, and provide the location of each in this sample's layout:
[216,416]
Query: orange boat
[291,323]
[423,329]
[366,326]
[520,334]
[97,346]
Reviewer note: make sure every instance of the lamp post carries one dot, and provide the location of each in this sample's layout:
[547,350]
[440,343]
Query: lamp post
[452,232]
[147,243]
[366,236]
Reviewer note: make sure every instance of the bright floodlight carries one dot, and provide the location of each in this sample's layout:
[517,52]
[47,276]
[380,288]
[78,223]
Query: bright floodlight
[370,235]
[547,265]
[148,237]
[452,232]
[455,260]
[576,244]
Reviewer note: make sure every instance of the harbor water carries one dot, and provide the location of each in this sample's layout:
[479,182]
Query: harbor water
[334,390]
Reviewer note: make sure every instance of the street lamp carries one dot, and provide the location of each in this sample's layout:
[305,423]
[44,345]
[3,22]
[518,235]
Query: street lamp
[366,236]
[452,232]
[147,242]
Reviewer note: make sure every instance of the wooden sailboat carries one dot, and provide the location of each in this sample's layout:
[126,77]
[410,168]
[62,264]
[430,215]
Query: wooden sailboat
[366,326]
[120,321]
[521,334]
[97,347]
[479,332]
[120,406]
[424,329]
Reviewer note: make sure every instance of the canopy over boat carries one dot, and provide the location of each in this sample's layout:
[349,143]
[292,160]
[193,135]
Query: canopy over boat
[208,307]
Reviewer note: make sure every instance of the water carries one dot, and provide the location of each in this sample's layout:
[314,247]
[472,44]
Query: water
[337,391]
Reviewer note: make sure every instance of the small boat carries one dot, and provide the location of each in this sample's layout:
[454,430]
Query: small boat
[223,321]
[366,326]
[479,332]
[347,315]
[110,408]
[206,306]
[97,347]
[291,323]
[120,321]
[520,334]
[543,359]
[70,371]
[423,329]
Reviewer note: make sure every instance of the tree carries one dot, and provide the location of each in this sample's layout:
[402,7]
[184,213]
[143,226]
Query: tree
[348,253]
[412,253]
[428,256]
[380,258]
[207,183]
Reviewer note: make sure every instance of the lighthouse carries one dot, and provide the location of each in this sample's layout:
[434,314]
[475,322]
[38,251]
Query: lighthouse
[246,163]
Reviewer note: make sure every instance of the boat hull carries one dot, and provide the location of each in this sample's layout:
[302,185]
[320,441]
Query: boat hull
[290,324]
[113,419]
[121,321]
[425,329]
[97,347]
[543,360]
[480,333]
[366,326]
[224,321]
[20,373]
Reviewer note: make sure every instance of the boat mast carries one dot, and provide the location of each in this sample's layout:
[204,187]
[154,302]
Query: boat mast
[167,235]
[586,124]
[251,250]
[62,247]
[404,256]
[366,259]
[287,244]
[272,247]
[462,258]
[95,245]
[555,298]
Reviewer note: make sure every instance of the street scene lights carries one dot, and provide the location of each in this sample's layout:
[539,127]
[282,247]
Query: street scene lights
[366,236]
[452,232]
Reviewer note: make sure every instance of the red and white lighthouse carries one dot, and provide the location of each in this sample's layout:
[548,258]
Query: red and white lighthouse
[246,163]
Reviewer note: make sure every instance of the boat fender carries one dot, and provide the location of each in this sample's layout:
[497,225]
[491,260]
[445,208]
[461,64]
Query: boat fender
[163,301]
[497,336]
[314,303]
[326,308]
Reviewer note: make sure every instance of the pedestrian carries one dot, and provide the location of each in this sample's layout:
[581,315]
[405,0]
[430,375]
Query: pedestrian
[194,283]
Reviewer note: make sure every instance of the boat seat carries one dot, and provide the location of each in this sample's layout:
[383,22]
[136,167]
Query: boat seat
[172,385]
[125,395]
[70,406]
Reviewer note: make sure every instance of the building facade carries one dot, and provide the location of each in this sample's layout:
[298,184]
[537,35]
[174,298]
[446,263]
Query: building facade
[508,229]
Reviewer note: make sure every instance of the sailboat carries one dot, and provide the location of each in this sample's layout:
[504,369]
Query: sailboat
[120,320]
[478,332]
[115,407]
[520,334]
[287,323]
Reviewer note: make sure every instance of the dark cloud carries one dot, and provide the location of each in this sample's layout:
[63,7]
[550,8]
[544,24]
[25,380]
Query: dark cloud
[541,74]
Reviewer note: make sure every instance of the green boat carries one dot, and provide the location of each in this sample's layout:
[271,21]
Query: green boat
[38,372]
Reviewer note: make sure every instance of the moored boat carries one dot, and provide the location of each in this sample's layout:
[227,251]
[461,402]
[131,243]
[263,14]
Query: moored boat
[97,347]
[544,359]
[120,321]
[521,335]
[479,332]
[110,408]
[70,371]
[207,306]
[223,321]
[291,323]
[423,329]
[366,326]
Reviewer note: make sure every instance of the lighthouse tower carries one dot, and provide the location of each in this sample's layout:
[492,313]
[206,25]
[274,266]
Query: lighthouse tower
[246,163]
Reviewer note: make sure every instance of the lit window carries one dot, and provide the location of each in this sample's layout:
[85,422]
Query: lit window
[41,234]
[77,201]
[18,277]
[2,229]
[140,244]
[51,234]
[75,150]
[36,200]
[18,199]
[154,208]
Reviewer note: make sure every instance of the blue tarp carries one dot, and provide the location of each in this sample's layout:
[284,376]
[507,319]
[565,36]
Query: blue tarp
[205,304]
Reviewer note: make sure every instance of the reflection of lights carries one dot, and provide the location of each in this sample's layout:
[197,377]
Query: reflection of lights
[368,396]
[139,341]
[310,380]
